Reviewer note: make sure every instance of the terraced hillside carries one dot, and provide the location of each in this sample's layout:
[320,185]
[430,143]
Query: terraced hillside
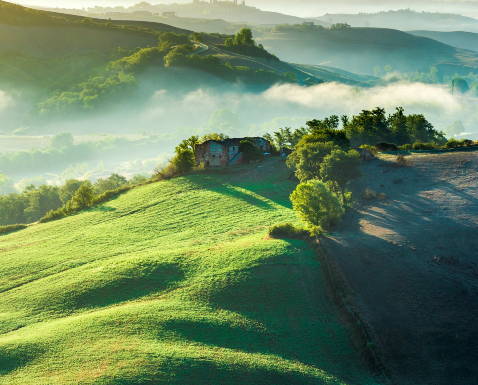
[172,283]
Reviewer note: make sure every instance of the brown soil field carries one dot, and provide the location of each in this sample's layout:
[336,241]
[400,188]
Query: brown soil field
[409,258]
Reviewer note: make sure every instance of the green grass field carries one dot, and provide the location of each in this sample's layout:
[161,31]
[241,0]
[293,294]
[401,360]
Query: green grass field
[172,283]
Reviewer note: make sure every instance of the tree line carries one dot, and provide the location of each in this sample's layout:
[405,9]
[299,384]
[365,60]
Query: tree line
[34,203]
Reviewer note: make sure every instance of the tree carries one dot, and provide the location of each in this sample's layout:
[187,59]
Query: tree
[339,168]
[113,182]
[184,161]
[83,197]
[398,126]
[317,205]
[68,189]
[421,130]
[368,127]
[250,151]
[307,157]
[244,37]
[189,144]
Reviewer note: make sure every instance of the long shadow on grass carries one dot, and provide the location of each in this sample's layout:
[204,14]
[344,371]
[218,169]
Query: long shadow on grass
[129,286]
[213,183]
[286,297]
[257,194]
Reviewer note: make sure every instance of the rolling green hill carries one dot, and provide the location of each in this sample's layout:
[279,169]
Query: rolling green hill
[72,63]
[174,282]
[363,49]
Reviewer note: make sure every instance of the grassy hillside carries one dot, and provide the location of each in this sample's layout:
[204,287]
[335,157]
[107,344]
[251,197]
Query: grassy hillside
[364,49]
[172,283]
[72,63]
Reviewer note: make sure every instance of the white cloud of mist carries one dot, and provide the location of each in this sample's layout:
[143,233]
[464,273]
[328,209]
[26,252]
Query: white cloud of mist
[239,113]
[175,116]
[432,99]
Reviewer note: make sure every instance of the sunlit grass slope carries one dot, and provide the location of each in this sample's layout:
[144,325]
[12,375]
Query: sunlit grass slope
[172,283]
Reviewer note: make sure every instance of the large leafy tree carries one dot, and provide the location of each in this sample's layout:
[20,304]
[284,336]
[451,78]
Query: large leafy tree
[317,205]
[307,157]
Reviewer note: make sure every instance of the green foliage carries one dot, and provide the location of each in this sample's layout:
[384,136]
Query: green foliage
[168,40]
[340,27]
[317,205]
[184,161]
[285,138]
[11,229]
[340,167]
[372,127]
[83,198]
[173,283]
[455,143]
[51,202]
[28,206]
[249,151]
[113,182]
[287,231]
[243,37]
[68,189]
[308,156]
[423,146]
[243,42]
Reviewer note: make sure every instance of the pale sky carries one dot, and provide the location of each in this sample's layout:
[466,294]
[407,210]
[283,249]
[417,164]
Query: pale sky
[300,7]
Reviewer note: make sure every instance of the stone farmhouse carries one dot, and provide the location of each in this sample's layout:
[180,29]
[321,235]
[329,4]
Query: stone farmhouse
[222,153]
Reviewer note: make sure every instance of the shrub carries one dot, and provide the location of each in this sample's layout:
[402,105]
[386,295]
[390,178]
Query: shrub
[406,147]
[385,147]
[287,231]
[370,148]
[317,205]
[53,215]
[454,143]
[110,194]
[423,146]
[11,228]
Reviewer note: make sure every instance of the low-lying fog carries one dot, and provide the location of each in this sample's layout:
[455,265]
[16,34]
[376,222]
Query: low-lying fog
[166,118]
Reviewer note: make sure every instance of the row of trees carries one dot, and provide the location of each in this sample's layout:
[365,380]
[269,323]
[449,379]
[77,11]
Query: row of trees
[370,127]
[35,202]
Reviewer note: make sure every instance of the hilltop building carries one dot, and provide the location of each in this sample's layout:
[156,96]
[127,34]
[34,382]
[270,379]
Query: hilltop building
[222,153]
